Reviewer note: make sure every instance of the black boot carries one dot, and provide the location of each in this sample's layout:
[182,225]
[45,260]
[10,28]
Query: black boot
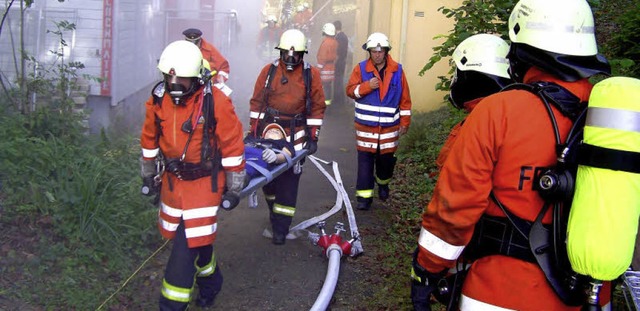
[279,238]
[364,203]
[207,296]
[383,192]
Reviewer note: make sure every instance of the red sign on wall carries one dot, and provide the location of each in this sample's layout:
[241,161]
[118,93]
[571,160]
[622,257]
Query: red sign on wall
[107,40]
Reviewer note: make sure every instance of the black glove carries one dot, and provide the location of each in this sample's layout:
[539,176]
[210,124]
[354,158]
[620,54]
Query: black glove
[312,146]
[423,284]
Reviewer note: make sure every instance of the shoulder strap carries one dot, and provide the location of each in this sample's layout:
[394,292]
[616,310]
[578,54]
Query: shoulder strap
[158,92]
[209,152]
[306,74]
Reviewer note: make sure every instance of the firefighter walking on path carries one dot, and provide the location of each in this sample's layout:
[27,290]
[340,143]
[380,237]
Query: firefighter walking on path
[191,148]
[382,114]
[486,202]
[288,92]
[327,56]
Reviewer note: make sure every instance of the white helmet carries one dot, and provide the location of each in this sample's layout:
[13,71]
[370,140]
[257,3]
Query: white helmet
[300,8]
[555,36]
[481,69]
[483,53]
[293,39]
[329,29]
[182,59]
[563,27]
[272,18]
[377,40]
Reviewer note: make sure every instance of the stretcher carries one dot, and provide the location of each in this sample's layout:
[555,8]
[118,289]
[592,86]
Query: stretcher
[631,289]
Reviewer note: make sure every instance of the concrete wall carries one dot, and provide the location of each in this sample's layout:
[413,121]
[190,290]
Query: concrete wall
[411,26]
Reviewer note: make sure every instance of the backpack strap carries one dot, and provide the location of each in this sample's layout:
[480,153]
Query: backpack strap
[157,92]
[209,152]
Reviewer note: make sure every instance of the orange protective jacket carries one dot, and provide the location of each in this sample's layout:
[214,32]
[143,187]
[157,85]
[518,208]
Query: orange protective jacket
[192,201]
[368,138]
[453,135]
[327,56]
[217,62]
[288,98]
[504,141]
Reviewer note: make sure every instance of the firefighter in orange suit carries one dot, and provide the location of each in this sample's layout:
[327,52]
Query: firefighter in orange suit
[481,70]
[327,56]
[219,64]
[486,186]
[288,92]
[382,115]
[192,133]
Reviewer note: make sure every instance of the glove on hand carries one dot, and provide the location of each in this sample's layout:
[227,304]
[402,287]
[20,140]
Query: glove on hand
[423,284]
[148,168]
[269,156]
[312,146]
[236,181]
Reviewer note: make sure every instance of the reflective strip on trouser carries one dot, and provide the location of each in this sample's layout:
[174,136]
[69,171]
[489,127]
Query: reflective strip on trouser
[368,162]
[470,304]
[285,190]
[181,271]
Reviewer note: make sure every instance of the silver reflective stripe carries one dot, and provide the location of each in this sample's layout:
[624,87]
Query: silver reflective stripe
[405,112]
[314,122]
[366,144]
[150,153]
[201,212]
[376,135]
[618,119]
[390,145]
[256,115]
[232,161]
[470,304]
[438,246]
[375,108]
[357,91]
[168,225]
[365,117]
[200,231]
[171,211]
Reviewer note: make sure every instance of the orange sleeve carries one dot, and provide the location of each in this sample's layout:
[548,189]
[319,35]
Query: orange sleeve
[461,194]
[356,88]
[446,147]
[317,96]
[405,103]
[228,132]
[215,58]
[328,51]
[149,135]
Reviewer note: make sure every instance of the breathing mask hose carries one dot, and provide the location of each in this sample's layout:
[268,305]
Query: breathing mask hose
[603,219]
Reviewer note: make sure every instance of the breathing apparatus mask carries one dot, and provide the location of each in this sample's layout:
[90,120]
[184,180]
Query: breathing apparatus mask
[291,58]
[176,87]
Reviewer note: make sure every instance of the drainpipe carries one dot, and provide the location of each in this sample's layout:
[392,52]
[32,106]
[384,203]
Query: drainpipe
[403,30]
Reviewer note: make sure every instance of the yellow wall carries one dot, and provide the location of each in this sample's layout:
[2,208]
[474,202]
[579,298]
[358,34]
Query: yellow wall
[411,26]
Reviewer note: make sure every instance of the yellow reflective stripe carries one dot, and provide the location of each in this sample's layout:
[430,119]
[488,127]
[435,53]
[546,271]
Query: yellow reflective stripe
[375,108]
[209,268]
[367,193]
[618,119]
[171,211]
[470,304]
[382,181]
[284,210]
[175,293]
[202,212]
[150,153]
[414,276]
[232,161]
[200,231]
[438,246]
